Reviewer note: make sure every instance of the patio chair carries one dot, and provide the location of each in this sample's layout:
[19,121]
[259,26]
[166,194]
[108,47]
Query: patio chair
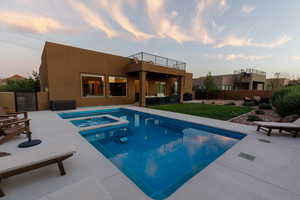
[10,130]
[293,128]
[12,115]
[89,188]
[32,159]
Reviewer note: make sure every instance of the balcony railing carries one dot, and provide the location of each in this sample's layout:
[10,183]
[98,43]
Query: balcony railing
[158,60]
[250,71]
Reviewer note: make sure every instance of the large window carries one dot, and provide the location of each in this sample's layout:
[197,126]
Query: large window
[160,88]
[117,86]
[92,85]
[175,92]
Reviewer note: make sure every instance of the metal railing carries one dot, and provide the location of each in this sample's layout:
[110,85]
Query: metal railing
[250,71]
[158,60]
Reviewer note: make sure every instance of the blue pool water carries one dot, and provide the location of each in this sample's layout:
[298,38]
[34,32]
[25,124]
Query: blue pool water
[92,121]
[161,154]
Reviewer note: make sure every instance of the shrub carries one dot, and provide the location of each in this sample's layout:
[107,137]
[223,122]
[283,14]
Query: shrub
[253,118]
[259,112]
[265,106]
[289,105]
[249,103]
[287,101]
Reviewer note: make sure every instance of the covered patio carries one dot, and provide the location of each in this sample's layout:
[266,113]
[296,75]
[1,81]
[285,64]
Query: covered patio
[159,80]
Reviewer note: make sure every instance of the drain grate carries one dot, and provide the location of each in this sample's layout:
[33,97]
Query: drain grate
[247,156]
[263,140]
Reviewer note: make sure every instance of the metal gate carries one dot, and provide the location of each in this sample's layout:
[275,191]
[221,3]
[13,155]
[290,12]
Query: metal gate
[26,101]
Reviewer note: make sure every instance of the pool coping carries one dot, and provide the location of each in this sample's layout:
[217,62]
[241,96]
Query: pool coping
[229,177]
[119,121]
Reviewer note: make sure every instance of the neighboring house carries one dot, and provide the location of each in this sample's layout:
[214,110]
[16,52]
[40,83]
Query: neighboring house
[276,83]
[93,78]
[14,77]
[249,79]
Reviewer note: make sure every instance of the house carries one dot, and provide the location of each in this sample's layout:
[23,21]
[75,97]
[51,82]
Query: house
[248,79]
[277,83]
[93,78]
[14,77]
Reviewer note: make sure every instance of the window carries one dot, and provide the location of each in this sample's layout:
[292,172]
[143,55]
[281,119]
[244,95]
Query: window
[227,87]
[160,88]
[92,85]
[176,87]
[117,86]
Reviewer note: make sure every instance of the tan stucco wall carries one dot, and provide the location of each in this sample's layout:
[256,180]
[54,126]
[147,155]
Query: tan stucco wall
[42,100]
[7,101]
[61,68]
[65,64]
[43,71]
[188,83]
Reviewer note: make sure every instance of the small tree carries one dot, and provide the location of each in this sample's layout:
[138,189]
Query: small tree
[30,84]
[209,85]
[275,83]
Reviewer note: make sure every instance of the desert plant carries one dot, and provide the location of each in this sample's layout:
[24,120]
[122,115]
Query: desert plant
[265,106]
[253,118]
[287,101]
[210,86]
[289,105]
[259,112]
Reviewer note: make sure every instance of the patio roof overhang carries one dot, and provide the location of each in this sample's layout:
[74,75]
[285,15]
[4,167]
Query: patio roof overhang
[155,69]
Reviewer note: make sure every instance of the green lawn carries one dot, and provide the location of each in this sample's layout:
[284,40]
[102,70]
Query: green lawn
[222,112]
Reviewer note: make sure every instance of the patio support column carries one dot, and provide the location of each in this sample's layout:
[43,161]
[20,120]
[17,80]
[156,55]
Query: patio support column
[142,96]
[106,86]
[251,85]
[180,88]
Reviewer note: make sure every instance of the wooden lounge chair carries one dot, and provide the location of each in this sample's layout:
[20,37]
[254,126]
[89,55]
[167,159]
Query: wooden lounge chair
[12,129]
[13,115]
[293,128]
[89,188]
[33,159]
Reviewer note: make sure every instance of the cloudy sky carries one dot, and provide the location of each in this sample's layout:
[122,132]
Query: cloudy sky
[210,35]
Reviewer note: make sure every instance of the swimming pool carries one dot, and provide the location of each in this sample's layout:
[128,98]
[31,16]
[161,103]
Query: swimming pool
[161,154]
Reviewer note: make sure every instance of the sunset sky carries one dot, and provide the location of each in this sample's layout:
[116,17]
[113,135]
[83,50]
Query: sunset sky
[210,35]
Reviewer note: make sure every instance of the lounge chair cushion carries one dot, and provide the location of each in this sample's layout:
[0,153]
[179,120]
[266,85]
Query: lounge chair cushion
[33,156]
[89,188]
[278,125]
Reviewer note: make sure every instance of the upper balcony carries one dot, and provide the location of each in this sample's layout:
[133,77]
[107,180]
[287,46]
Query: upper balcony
[250,71]
[158,60]
[248,75]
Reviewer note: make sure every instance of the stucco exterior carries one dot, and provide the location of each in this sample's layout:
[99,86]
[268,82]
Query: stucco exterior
[240,80]
[61,68]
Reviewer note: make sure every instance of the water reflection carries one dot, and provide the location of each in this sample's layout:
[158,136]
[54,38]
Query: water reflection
[160,155]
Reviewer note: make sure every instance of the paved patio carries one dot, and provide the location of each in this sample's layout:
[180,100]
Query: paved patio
[274,174]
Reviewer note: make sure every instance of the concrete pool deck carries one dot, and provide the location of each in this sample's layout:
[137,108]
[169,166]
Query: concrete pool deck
[273,174]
